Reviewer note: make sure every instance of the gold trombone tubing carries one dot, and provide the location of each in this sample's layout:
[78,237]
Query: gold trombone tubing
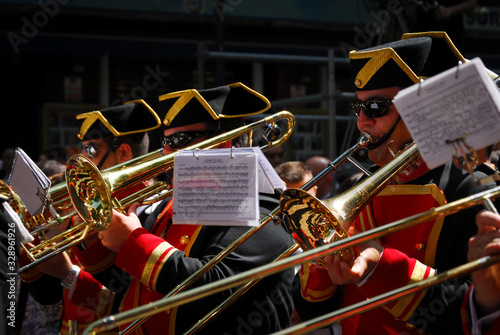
[233,297]
[362,142]
[59,195]
[91,191]
[59,192]
[125,175]
[385,298]
[113,321]
[75,235]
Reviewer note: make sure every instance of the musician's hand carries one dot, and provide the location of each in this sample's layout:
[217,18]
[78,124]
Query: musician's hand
[120,228]
[56,266]
[486,281]
[341,273]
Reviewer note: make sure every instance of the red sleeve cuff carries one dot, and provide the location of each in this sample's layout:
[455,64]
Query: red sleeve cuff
[86,286]
[393,270]
[135,252]
[90,294]
[315,283]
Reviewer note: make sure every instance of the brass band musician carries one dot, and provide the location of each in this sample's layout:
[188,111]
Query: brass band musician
[413,254]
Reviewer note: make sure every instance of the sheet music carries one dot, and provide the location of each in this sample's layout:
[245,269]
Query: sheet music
[216,187]
[27,180]
[448,105]
[268,177]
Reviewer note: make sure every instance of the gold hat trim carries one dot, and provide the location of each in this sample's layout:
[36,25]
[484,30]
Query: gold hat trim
[437,34]
[92,117]
[377,59]
[186,95]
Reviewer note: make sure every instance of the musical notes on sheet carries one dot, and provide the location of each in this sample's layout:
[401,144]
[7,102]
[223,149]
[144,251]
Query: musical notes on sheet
[217,187]
[443,108]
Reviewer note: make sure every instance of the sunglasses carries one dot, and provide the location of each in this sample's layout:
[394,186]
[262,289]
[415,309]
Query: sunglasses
[372,108]
[183,138]
[91,150]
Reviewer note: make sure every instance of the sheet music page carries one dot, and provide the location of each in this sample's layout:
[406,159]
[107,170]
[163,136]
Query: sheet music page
[458,101]
[27,180]
[268,177]
[216,187]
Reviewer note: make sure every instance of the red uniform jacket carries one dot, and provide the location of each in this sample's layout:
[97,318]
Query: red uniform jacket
[144,254]
[91,300]
[405,253]
[410,255]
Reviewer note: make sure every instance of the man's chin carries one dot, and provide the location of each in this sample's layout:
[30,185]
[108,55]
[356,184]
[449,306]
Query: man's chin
[377,143]
[380,156]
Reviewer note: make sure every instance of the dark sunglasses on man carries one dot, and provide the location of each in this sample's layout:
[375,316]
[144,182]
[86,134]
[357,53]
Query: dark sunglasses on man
[183,138]
[372,108]
[91,151]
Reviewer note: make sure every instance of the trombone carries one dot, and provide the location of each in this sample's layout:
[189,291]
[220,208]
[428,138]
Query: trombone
[484,198]
[312,244]
[363,141]
[92,192]
[350,204]
[59,192]
[313,222]
[59,200]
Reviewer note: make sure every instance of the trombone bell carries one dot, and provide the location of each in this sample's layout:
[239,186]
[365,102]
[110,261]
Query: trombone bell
[88,192]
[312,224]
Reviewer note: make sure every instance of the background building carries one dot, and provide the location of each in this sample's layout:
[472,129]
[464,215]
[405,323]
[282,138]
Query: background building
[59,58]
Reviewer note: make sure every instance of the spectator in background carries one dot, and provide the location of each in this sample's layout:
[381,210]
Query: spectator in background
[349,182]
[495,155]
[445,15]
[275,156]
[51,157]
[53,168]
[327,185]
[295,174]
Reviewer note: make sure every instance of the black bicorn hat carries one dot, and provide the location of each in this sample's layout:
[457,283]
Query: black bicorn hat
[132,117]
[394,64]
[443,54]
[194,106]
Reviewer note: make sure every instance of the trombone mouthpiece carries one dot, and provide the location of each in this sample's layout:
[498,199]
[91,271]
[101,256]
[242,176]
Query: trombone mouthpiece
[365,140]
